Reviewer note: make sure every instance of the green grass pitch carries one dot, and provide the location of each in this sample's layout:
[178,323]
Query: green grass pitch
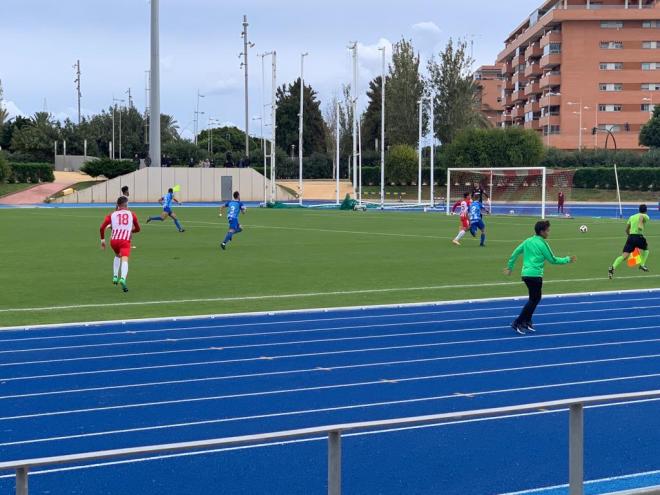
[54,270]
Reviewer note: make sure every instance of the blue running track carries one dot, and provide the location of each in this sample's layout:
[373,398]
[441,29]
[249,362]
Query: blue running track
[70,389]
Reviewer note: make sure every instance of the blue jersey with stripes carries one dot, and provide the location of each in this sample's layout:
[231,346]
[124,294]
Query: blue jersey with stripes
[475,211]
[167,200]
[235,208]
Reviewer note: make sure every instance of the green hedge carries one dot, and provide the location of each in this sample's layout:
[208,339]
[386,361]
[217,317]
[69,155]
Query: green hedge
[5,169]
[109,168]
[634,179]
[33,173]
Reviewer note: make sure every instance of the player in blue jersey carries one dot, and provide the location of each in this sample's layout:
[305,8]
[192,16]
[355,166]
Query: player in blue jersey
[476,218]
[166,201]
[234,208]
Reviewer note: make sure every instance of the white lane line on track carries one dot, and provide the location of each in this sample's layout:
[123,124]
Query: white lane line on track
[328,409]
[323,369]
[348,435]
[193,400]
[349,351]
[539,313]
[304,295]
[322,329]
[329,368]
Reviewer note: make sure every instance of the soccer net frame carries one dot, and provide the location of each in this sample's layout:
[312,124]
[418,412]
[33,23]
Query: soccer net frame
[491,171]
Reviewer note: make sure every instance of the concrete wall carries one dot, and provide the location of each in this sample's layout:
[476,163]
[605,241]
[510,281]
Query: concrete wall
[197,185]
[71,163]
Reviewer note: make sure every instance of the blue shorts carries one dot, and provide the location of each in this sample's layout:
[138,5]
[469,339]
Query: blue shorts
[167,210]
[233,224]
[479,224]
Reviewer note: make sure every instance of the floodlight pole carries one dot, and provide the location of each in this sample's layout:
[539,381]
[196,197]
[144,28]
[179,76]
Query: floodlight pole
[273,145]
[263,118]
[77,81]
[197,114]
[154,106]
[337,138]
[353,48]
[432,100]
[300,129]
[382,134]
[419,153]
[246,47]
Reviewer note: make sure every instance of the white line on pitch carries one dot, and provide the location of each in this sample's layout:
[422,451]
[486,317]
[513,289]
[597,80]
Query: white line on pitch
[316,370]
[324,329]
[347,351]
[327,409]
[305,294]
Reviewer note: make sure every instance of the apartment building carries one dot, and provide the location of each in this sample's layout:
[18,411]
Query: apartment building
[573,65]
[489,80]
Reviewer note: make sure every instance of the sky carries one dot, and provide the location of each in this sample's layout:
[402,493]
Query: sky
[201,42]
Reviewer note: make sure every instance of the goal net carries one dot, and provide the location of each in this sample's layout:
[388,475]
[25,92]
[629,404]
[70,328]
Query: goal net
[533,191]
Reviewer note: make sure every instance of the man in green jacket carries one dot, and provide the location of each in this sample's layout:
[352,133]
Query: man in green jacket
[536,252]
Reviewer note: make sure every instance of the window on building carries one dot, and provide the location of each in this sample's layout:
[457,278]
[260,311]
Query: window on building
[611,45]
[610,86]
[650,24]
[650,87]
[611,24]
[552,48]
[610,127]
[646,107]
[610,108]
[611,66]
[650,65]
[651,45]
[553,129]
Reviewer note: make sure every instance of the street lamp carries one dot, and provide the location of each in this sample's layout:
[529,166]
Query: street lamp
[114,109]
[300,128]
[197,114]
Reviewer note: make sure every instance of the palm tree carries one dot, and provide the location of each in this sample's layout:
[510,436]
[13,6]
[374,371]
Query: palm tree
[169,128]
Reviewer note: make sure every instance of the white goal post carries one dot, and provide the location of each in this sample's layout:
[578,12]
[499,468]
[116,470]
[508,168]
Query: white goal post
[516,181]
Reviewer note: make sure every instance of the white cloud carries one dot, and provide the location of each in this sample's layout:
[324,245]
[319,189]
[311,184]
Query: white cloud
[223,87]
[370,58]
[427,28]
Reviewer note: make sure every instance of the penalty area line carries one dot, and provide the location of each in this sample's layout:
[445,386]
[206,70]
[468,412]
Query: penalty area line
[265,297]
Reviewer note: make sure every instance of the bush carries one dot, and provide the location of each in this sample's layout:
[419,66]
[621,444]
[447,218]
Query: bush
[635,179]
[556,158]
[108,167]
[5,169]
[401,164]
[33,173]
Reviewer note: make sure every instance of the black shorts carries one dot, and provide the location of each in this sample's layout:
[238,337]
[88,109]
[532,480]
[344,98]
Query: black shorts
[635,241]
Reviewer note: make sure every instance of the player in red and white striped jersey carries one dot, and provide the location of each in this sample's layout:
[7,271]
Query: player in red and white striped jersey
[124,224]
[465,223]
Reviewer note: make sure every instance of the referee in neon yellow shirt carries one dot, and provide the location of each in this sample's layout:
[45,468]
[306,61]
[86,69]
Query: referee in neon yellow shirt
[636,240]
[536,252]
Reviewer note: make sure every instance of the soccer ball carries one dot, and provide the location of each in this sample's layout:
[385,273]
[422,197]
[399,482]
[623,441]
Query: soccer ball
[584,229]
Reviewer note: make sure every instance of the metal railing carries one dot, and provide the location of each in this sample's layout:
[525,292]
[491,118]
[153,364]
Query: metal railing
[334,435]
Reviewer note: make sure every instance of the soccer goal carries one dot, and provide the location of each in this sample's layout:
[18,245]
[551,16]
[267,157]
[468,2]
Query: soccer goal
[511,191]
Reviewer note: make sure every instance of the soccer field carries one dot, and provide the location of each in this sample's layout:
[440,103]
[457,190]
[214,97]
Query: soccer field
[54,270]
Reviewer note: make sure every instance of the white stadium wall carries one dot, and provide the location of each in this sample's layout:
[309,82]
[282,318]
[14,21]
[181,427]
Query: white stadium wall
[197,185]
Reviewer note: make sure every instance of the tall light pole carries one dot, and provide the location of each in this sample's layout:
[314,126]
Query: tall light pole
[273,144]
[197,114]
[579,113]
[114,109]
[337,157]
[77,81]
[300,128]
[147,83]
[263,118]
[382,133]
[420,103]
[353,48]
[154,93]
[246,47]
[432,118]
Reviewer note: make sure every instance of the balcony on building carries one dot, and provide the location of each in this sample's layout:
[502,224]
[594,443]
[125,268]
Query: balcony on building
[532,106]
[550,78]
[507,85]
[550,100]
[518,112]
[507,68]
[533,124]
[533,70]
[551,60]
[506,100]
[553,36]
[505,118]
[518,96]
[549,119]
[519,79]
[533,51]
[532,88]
